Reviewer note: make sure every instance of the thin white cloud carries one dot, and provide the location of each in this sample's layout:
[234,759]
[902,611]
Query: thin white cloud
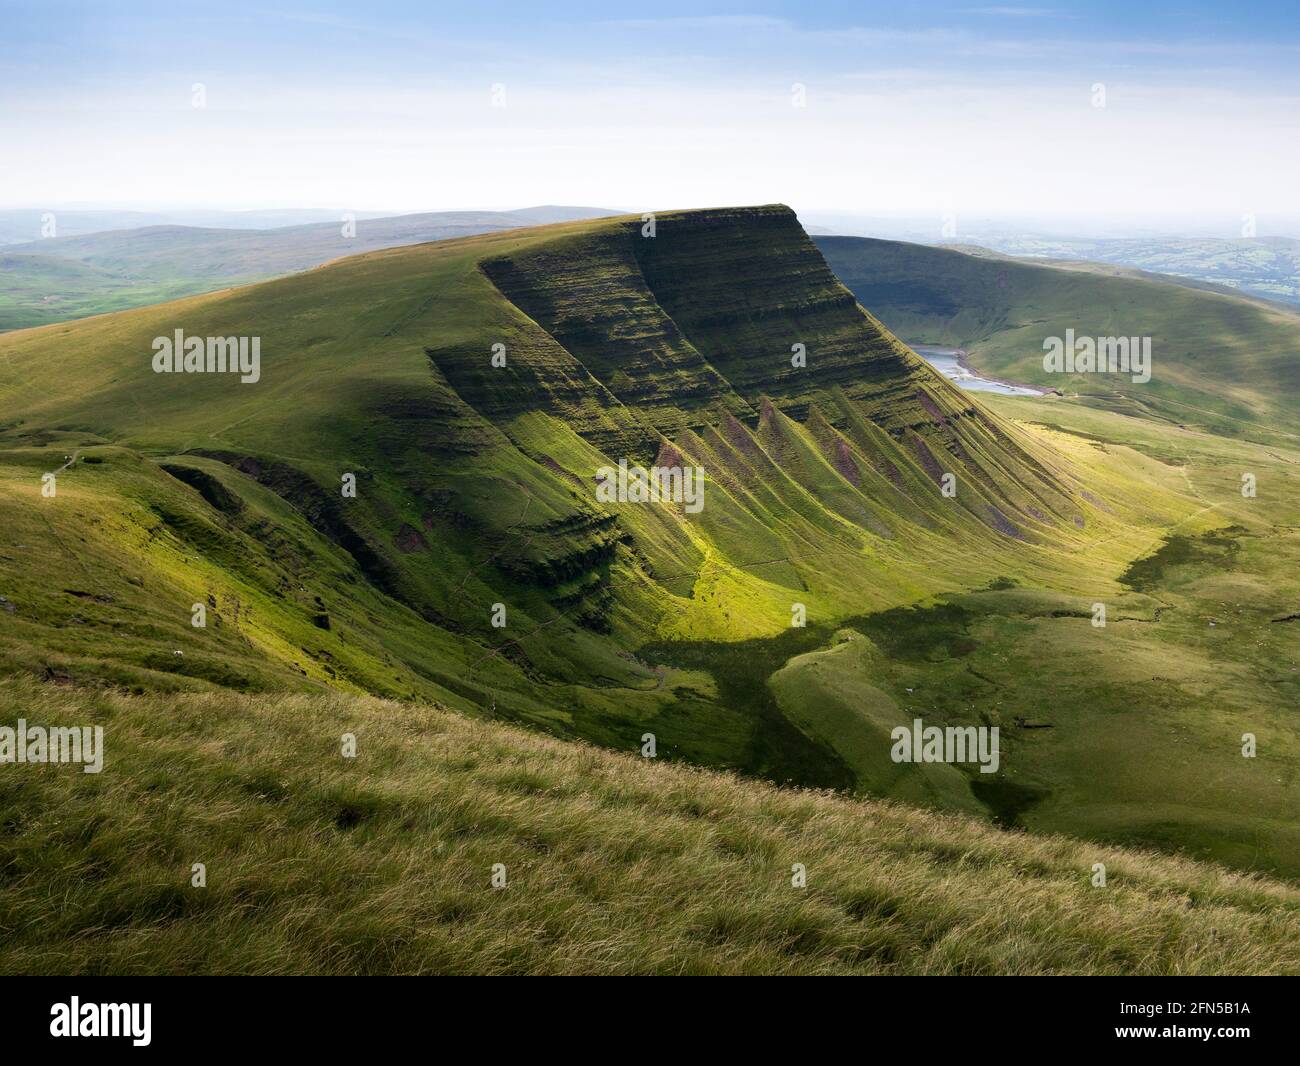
[702,22]
[1017,12]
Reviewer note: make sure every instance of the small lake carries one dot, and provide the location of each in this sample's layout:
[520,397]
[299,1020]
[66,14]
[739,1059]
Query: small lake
[945,360]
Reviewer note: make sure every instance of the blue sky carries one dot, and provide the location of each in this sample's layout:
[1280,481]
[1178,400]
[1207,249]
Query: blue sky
[922,108]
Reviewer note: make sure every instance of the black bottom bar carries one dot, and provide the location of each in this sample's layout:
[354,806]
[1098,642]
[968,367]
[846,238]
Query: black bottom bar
[357,1014]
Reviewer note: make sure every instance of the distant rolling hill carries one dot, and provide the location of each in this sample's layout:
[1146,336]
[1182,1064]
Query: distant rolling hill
[21,225]
[1229,364]
[874,544]
[133,267]
[1267,267]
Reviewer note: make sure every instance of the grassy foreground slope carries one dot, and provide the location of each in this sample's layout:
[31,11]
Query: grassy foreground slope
[1221,363]
[316,863]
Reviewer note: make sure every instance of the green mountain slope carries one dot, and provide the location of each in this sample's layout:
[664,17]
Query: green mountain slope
[476,501]
[1229,365]
[613,864]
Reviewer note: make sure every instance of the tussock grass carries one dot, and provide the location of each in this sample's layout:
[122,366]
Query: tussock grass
[615,864]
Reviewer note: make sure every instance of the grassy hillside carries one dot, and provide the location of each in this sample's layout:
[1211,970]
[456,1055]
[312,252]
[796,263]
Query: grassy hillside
[39,289]
[613,864]
[1228,365]
[62,278]
[475,487]
[1200,648]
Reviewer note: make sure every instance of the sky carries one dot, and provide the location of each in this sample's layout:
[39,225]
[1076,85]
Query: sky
[1144,108]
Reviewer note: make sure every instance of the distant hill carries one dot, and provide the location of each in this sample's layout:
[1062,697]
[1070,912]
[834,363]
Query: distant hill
[153,263]
[548,213]
[187,251]
[1267,267]
[1226,363]
[21,225]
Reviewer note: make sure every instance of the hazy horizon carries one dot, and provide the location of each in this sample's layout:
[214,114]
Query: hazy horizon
[860,221]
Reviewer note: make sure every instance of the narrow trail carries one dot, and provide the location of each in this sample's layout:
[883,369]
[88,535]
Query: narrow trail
[58,470]
[476,567]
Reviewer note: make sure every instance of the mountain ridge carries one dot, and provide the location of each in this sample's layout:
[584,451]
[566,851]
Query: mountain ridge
[475,503]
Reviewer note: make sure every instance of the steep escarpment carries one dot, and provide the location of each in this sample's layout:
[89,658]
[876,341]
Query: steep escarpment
[714,319]
[588,293]
[706,315]
[751,292]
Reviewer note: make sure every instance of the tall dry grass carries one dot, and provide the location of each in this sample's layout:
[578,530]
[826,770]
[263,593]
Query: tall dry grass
[614,864]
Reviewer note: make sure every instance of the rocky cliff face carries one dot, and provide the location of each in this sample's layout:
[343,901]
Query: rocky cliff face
[720,319]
